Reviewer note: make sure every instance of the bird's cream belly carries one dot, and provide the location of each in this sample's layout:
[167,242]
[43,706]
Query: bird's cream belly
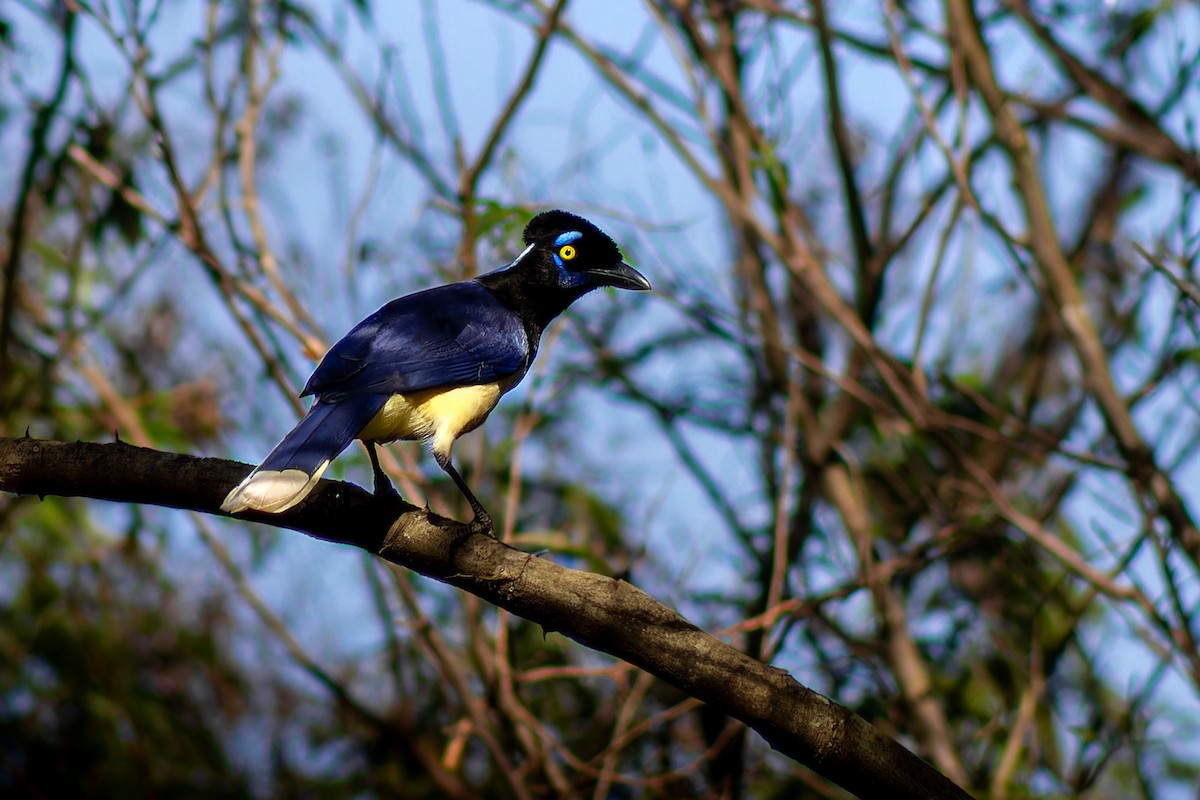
[439,414]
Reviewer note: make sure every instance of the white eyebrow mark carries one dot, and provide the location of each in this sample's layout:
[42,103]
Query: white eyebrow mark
[517,260]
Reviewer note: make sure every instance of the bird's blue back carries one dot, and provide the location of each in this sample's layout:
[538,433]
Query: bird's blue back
[454,335]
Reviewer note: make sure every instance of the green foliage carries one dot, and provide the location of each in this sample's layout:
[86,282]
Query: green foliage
[112,684]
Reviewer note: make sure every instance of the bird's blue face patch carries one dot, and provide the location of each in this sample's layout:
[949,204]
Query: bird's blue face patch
[568,277]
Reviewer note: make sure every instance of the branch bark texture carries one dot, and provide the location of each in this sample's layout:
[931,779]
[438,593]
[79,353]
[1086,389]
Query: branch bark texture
[599,612]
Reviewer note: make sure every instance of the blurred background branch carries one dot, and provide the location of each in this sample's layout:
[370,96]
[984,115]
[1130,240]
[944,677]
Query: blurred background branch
[912,414]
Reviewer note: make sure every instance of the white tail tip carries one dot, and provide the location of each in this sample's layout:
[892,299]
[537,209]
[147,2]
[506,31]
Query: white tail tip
[272,491]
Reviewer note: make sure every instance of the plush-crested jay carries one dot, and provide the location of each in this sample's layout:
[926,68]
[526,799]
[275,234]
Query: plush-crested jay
[432,365]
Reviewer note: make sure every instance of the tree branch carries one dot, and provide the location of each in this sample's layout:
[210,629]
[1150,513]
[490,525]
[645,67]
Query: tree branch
[1061,281]
[603,613]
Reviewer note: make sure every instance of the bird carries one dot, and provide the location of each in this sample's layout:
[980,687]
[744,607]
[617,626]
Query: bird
[431,366]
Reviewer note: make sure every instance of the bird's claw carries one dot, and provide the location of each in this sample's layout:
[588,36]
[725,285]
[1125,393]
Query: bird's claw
[482,524]
[387,491]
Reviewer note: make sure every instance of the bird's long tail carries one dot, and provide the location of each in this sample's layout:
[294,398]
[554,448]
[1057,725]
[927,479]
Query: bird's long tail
[293,468]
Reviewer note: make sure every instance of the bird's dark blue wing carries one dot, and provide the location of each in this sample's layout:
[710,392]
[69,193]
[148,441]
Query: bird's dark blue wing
[458,334]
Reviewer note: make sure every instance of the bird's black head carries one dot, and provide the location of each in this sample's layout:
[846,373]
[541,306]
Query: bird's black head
[575,254]
[565,258]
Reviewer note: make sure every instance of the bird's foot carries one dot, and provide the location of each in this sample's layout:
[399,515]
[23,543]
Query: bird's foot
[384,490]
[482,524]
[383,484]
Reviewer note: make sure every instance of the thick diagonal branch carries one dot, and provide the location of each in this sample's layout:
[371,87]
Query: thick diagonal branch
[600,612]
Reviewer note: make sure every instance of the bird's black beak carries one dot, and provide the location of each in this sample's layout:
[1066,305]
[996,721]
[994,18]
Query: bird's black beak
[622,276]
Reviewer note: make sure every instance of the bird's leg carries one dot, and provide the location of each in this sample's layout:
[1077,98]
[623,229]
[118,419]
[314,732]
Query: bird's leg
[383,484]
[482,523]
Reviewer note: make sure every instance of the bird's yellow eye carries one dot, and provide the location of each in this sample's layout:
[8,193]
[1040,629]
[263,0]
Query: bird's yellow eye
[566,252]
